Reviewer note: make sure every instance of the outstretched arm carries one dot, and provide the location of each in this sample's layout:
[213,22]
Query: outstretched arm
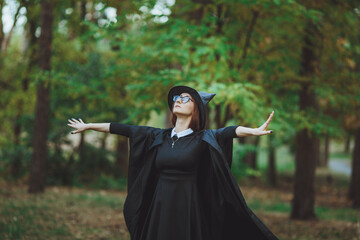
[244,131]
[114,128]
[81,126]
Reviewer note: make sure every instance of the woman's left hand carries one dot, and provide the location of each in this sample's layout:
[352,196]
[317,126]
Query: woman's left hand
[262,129]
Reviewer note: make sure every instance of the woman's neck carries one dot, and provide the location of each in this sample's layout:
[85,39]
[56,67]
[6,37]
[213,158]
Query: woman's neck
[182,123]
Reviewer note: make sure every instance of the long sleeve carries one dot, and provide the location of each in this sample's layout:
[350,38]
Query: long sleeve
[226,132]
[131,130]
[224,136]
[120,129]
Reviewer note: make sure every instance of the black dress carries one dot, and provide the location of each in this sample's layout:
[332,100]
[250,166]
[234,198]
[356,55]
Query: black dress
[185,192]
[175,212]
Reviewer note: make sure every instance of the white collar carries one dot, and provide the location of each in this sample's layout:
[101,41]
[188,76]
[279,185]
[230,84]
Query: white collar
[182,133]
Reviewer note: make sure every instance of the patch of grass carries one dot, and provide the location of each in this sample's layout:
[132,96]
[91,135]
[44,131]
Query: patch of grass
[344,214]
[96,200]
[106,182]
[258,205]
[24,218]
[16,219]
[341,155]
[324,213]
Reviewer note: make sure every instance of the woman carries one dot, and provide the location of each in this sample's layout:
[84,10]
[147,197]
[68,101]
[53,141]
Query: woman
[179,182]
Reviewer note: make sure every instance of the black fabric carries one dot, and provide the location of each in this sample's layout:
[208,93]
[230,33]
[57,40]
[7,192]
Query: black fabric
[224,207]
[175,211]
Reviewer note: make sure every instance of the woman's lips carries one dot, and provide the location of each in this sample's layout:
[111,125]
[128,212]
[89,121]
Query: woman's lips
[177,106]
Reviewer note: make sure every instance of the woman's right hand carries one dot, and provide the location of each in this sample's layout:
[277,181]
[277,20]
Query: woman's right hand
[78,124]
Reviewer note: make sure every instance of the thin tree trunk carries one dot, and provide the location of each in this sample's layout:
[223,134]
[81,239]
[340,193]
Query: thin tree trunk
[347,143]
[325,160]
[82,9]
[122,157]
[317,152]
[81,147]
[304,189]
[250,157]
[42,112]
[272,176]
[16,163]
[2,35]
[307,144]
[248,36]
[354,190]
[5,43]
[29,51]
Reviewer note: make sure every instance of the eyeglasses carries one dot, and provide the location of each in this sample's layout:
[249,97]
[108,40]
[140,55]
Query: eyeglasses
[184,99]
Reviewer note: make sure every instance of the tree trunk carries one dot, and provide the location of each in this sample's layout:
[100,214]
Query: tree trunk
[31,52]
[122,157]
[325,158]
[250,157]
[307,145]
[347,143]
[272,176]
[354,191]
[42,112]
[6,41]
[16,163]
[2,35]
[317,152]
[304,189]
[81,148]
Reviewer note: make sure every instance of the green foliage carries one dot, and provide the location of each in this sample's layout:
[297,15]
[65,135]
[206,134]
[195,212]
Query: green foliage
[106,182]
[247,52]
[15,162]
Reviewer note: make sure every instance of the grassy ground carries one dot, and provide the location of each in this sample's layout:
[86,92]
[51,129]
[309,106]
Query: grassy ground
[71,213]
[76,213]
[61,213]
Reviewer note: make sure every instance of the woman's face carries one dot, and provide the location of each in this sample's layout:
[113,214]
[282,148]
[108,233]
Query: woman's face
[185,109]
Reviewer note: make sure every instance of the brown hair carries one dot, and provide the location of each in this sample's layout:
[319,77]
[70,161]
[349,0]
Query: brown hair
[195,118]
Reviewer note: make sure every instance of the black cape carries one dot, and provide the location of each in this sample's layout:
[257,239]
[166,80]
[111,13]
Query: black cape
[227,212]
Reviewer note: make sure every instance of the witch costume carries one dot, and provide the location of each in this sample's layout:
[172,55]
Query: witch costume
[180,186]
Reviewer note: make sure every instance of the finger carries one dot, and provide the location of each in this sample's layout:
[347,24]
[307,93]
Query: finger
[81,120]
[75,120]
[263,133]
[269,119]
[71,125]
[71,121]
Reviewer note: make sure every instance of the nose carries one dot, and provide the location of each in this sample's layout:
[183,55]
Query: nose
[178,100]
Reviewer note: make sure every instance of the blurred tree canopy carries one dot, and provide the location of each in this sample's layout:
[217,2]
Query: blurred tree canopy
[116,60]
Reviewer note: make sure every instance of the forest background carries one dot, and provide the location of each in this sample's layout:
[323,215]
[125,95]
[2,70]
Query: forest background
[114,61]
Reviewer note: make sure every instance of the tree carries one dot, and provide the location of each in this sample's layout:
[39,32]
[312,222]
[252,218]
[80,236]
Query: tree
[354,192]
[42,112]
[306,140]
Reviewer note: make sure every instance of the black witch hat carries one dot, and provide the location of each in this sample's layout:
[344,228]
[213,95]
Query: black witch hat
[201,98]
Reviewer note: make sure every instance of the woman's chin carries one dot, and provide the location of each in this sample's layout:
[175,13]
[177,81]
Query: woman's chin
[180,113]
